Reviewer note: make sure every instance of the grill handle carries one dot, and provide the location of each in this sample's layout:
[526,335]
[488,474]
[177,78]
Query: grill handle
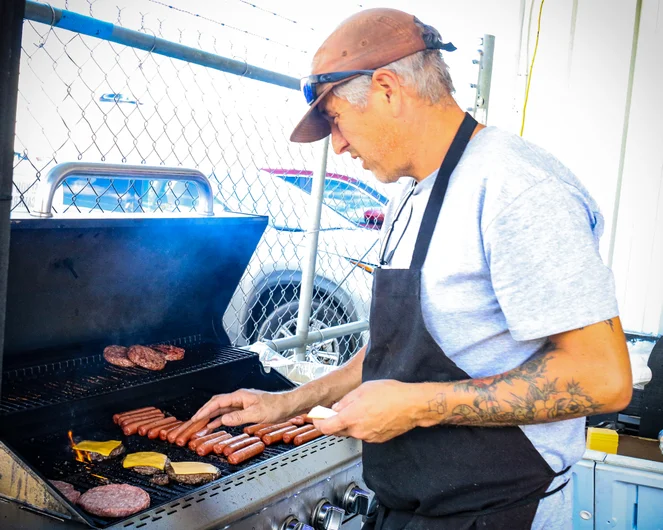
[58,174]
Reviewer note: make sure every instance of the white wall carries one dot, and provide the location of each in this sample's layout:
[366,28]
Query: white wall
[584,108]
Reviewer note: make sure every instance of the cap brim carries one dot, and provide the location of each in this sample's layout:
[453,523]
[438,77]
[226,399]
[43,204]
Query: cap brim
[313,126]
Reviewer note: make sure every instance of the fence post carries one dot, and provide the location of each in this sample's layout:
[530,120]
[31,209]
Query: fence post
[308,268]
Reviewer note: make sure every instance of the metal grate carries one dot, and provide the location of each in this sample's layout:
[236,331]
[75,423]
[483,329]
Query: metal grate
[61,382]
[53,458]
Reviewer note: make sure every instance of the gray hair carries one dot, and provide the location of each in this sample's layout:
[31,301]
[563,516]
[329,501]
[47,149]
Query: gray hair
[425,71]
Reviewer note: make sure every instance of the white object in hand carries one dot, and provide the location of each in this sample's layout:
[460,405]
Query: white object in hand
[321,413]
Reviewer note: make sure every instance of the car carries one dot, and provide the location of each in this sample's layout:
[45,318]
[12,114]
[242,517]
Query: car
[350,197]
[266,302]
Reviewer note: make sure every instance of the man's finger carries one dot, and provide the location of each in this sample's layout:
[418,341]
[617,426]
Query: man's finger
[222,401]
[241,417]
[332,425]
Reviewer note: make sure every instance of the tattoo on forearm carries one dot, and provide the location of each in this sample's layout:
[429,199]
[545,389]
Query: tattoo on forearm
[439,404]
[538,399]
[611,324]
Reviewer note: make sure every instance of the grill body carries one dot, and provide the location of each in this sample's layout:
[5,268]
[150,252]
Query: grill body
[79,285]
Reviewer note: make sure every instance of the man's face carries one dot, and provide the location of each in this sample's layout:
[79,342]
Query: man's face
[369,134]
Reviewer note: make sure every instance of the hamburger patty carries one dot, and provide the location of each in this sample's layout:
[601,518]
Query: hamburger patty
[196,478]
[160,480]
[98,457]
[67,490]
[147,357]
[117,355]
[114,500]
[172,353]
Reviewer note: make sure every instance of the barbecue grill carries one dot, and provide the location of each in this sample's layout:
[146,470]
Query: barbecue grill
[79,284]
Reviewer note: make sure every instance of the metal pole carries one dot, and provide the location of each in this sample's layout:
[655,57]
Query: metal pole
[308,269]
[318,336]
[61,18]
[11,29]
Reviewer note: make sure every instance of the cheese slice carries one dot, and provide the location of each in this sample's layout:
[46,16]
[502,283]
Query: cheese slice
[193,468]
[103,448]
[145,459]
[321,413]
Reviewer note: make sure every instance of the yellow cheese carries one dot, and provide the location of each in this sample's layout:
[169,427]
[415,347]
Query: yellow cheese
[145,459]
[193,468]
[103,448]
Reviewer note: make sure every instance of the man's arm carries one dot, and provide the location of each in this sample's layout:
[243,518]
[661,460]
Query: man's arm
[255,406]
[582,372]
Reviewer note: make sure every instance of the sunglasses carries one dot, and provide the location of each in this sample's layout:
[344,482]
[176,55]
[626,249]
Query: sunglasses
[310,84]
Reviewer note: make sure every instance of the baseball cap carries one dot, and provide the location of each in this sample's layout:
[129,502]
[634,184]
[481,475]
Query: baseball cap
[367,40]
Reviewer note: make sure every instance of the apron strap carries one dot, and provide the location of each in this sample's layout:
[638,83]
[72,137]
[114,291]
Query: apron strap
[439,190]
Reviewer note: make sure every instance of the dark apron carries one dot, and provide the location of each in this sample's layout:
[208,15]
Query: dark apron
[447,476]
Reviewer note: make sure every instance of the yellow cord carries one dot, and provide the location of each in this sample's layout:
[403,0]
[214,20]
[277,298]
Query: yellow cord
[531,68]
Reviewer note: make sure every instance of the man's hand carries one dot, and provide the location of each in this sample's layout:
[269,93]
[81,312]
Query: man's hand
[375,412]
[246,406]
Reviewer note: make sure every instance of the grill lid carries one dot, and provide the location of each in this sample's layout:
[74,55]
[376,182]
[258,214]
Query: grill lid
[124,280]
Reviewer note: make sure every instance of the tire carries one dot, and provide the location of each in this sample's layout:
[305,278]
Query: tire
[281,322]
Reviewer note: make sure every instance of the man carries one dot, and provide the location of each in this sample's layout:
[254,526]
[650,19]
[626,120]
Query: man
[493,327]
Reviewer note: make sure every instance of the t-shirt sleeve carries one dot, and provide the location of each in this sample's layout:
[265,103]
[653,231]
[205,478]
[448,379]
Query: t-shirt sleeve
[545,265]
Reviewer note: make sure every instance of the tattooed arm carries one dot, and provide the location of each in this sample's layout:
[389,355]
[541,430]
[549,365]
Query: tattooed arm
[580,372]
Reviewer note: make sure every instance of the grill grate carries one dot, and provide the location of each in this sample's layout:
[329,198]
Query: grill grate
[55,461]
[84,377]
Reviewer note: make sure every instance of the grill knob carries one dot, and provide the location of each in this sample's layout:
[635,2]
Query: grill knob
[291,523]
[356,500]
[326,516]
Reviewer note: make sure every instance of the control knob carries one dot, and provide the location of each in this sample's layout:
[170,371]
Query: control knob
[356,500]
[291,523]
[326,516]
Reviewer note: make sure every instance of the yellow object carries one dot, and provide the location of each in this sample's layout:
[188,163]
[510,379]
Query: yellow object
[193,468]
[145,459]
[103,448]
[604,440]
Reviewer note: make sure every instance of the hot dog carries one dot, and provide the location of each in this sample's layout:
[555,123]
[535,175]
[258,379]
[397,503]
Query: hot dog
[289,436]
[183,438]
[266,430]
[172,435]
[251,429]
[307,436]
[163,433]
[130,414]
[277,436]
[208,446]
[193,444]
[219,447]
[162,422]
[131,419]
[231,448]
[297,420]
[202,432]
[153,432]
[132,428]
[117,416]
[247,452]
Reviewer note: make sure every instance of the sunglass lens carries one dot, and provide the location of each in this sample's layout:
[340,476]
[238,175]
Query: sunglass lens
[309,92]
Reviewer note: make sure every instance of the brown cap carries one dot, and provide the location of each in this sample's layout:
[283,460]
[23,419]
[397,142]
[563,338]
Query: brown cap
[367,40]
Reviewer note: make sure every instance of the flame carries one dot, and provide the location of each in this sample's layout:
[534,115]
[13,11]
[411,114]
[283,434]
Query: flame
[99,477]
[81,456]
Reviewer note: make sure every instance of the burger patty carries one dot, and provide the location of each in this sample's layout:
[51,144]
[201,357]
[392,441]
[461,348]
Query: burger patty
[114,500]
[117,355]
[147,357]
[67,490]
[98,457]
[149,470]
[172,353]
[196,478]
[160,480]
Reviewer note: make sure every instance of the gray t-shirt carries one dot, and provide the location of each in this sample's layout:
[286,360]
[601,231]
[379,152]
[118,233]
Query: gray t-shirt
[514,259]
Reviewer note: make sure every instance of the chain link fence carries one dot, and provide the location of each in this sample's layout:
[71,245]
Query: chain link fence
[88,99]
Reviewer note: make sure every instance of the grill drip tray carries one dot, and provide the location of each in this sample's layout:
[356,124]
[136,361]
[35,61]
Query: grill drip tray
[83,377]
[51,456]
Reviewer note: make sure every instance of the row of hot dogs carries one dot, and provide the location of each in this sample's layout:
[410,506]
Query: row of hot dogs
[203,438]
